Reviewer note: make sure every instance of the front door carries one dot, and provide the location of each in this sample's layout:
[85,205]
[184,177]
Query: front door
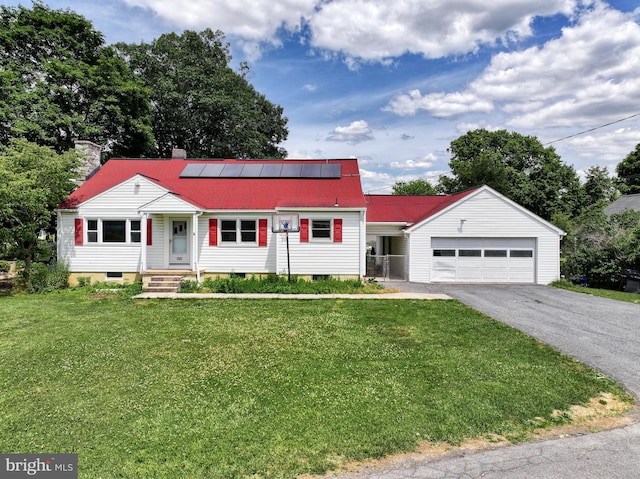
[179,254]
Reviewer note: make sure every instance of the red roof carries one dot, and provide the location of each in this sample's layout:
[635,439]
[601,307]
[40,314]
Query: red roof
[235,193]
[407,209]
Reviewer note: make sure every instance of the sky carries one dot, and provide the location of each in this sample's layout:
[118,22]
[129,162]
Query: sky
[392,83]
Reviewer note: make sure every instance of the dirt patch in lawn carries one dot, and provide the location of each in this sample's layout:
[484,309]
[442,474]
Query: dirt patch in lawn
[600,414]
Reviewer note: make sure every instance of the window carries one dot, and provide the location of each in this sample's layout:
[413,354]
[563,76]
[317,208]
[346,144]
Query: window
[114,231]
[248,231]
[228,232]
[92,231]
[521,253]
[112,275]
[444,252]
[470,253]
[245,230]
[135,231]
[321,229]
[495,253]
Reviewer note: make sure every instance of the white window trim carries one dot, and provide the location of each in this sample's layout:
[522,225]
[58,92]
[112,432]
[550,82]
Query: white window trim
[312,238]
[238,241]
[99,231]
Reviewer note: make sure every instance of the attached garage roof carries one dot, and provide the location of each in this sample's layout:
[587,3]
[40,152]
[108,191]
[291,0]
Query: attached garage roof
[408,209]
[239,185]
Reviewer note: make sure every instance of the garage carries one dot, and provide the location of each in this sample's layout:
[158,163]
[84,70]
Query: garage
[475,236]
[484,260]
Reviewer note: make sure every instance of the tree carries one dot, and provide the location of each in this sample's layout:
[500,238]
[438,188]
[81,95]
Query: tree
[601,246]
[60,83]
[517,166]
[200,103]
[33,181]
[599,188]
[628,171]
[413,188]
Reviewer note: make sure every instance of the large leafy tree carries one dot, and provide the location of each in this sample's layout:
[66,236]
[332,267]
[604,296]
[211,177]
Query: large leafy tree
[33,181]
[60,83]
[599,188]
[628,171]
[517,166]
[200,103]
[600,247]
[413,188]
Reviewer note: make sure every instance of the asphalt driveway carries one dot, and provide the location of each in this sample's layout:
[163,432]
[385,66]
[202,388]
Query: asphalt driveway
[599,332]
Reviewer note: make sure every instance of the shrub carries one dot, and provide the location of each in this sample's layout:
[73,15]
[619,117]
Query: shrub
[44,278]
[5,266]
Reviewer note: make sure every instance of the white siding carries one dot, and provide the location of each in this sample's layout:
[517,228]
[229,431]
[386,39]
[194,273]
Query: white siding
[239,258]
[156,257]
[486,215]
[119,203]
[324,257]
[95,257]
[123,199]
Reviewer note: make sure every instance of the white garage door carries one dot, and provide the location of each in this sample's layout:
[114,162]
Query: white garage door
[483,260]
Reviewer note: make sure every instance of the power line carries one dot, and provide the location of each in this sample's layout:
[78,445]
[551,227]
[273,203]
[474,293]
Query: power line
[592,129]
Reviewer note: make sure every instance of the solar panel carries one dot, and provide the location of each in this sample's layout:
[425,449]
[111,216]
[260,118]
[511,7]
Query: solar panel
[211,171]
[313,170]
[291,171]
[271,170]
[232,170]
[252,170]
[261,170]
[331,170]
[191,171]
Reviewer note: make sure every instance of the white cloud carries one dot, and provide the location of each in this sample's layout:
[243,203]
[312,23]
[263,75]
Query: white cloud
[364,29]
[356,132]
[439,105]
[583,77]
[438,28]
[425,162]
[310,87]
[252,20]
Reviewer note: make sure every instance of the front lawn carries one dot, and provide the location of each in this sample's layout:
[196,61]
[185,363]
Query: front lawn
[270,388]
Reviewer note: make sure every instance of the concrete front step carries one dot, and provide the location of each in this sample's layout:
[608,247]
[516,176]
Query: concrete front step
[163,283]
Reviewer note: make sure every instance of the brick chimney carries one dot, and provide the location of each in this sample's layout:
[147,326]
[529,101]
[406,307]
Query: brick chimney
[178,154]
[90,161]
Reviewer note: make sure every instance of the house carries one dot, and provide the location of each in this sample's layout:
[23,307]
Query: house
[474,236]
[139,217]
[625,202]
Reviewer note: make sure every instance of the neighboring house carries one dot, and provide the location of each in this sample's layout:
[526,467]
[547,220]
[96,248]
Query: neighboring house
[137,217]
[198,218]
[626,202]
[475,236]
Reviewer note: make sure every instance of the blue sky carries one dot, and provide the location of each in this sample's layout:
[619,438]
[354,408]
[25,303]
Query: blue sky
[393,83]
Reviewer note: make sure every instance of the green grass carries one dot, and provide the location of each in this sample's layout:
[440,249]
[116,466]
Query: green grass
[603,293]
[273,388]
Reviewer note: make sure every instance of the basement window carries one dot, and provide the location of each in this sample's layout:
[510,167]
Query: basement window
[114,276]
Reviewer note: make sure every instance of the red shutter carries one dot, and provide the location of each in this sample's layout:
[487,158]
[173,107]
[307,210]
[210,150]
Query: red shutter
[79,231]
[213,232]
[304,230]
[337,230]
[149,232]
[262,232]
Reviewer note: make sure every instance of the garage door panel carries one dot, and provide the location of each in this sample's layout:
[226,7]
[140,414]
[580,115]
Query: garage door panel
[499,260]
